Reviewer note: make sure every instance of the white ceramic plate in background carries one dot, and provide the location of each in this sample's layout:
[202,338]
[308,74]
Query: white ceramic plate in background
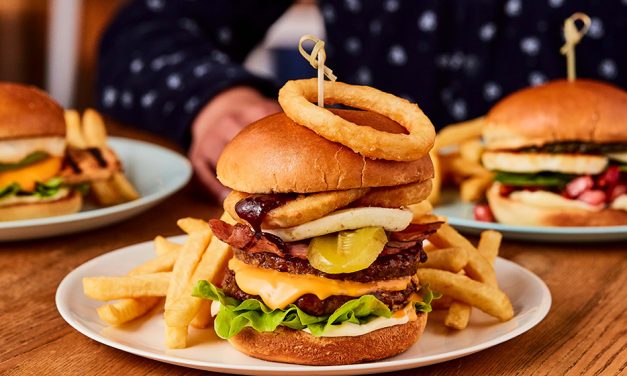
[155,171]
[460,215]
[144,337]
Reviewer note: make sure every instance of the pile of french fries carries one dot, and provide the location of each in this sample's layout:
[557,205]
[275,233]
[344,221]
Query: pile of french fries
[171,275]
[456,157]
[88,132]
[464,274]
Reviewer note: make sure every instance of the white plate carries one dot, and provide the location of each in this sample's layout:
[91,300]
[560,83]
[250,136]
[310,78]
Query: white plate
[529,295]
[460,215]
[155,171]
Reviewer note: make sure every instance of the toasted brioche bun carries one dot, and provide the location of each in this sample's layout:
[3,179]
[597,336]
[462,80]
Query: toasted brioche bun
[276,155]
[66,205]
[579,164]
[26,111]
[559,111]
[298,347]
[514,212]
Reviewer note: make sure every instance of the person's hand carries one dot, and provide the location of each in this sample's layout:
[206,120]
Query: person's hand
[217,123]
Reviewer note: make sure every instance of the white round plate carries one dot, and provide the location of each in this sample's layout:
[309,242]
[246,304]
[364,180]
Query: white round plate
[460,215]
[144,337]
[155,171]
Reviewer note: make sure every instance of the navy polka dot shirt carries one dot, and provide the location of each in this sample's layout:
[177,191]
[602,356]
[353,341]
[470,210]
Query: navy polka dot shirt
[162,60]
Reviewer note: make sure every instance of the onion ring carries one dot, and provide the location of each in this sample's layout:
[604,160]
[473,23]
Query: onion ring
[301,210]
[296,96]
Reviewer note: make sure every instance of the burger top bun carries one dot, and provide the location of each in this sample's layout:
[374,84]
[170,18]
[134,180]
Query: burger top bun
[559,111]
[26,111]
[276,155]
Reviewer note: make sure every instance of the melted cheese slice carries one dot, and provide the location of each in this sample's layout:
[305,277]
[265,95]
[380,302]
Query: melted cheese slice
[278,289]
[621,157]
[27,176]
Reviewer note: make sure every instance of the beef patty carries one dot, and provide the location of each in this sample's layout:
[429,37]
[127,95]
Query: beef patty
[394,266]
[310,303]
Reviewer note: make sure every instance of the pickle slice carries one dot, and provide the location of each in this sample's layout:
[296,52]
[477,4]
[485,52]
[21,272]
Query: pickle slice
[346,251]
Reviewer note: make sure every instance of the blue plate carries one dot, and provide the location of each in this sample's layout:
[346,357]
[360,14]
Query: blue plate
[460,215]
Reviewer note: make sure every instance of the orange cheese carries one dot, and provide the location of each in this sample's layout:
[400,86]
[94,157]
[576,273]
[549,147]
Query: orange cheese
[278,289]
[27,176]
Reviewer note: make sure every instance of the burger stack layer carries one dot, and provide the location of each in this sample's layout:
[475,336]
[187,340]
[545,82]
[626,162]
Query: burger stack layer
[560,155]
[325,251]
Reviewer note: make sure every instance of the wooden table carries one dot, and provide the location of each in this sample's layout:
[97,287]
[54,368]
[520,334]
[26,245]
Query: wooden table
[584,333]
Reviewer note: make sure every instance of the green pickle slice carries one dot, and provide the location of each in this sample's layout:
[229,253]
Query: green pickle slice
[346,251]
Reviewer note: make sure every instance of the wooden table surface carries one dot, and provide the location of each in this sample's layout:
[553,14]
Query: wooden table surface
[585,331]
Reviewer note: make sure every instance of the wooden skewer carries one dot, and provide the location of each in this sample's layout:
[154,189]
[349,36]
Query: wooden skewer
[317,59]
[573,36]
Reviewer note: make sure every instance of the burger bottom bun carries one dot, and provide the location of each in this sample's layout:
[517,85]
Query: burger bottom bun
[66,205]
[513,212]
[299,347]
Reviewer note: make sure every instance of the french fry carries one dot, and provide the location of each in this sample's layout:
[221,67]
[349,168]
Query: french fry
[182,311]
[460,167]
[471,150]
[473,188]
[126,310]
[112,288]
[163,263]
[190,225]
[487,298]
[188,258]
[163,245]
[94,131]
[74,134]
[443,303]
[203,317]
[458,315]
[436,182]
[489,245]
[176,337]
[451,259]
[428,218]
[421,209]
[105,193]
[124,187]
[477,268]
[456,133]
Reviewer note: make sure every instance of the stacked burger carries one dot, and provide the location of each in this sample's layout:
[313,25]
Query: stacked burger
[559,152]
[325,251]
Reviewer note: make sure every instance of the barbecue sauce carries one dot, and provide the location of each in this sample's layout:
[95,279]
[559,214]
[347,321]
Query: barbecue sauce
[254,209]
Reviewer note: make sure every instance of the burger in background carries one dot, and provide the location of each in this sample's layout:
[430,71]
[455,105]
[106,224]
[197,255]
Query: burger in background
[40,174]
[32,155]
[325,251]
[559,154]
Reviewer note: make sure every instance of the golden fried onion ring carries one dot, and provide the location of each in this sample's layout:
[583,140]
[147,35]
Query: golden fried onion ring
[301,210]
[296,96]
[397,196]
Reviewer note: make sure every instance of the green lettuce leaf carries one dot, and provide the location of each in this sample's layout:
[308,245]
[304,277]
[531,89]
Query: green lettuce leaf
[543,179]
[29,159]
[235,315]
[49,188]
[428,296]
[9,190]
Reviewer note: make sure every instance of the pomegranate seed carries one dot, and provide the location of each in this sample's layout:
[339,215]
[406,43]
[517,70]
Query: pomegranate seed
[578,186]
[618,190]
[609,178]
[593,197]
[483,213]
